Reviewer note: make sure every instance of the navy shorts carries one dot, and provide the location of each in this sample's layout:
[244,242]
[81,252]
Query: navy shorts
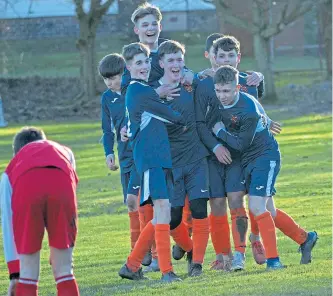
[156,183]
[260,176]
[130,182]
[191,180]
[234,176]
[216,177]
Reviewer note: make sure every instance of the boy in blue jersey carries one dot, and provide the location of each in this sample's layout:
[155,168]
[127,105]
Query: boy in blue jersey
[111,68]
[147,25]
[147,115]
[189,164]
[225,175]
[245,129]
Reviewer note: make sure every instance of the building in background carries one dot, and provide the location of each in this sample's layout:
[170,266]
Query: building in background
[41,19]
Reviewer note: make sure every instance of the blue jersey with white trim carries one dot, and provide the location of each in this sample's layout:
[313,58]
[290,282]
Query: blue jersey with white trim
[147,115]
[113,120]
[186,146]
[246,130]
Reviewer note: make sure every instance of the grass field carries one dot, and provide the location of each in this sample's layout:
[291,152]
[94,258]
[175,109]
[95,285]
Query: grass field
[304,191]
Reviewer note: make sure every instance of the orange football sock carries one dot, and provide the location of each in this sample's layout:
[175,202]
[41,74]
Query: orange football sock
[239,228]
[146,214]
[220,234]
[181,237]
[141,247]
[267,231]
[289,227]
[200,238]
[162,238]
[134,227]
[187,216]
[254,224]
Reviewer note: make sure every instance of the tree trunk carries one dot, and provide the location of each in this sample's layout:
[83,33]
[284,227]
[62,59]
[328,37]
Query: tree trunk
[262,54]
[325,21]
[219,16]
[86,46]
[264,64]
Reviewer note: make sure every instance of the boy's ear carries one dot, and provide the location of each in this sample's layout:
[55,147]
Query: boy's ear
[136,30]
[128,67]
[239,58]
[161,64]
[206,54]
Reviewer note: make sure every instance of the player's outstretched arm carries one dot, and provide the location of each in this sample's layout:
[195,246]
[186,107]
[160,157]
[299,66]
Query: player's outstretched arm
[160,110]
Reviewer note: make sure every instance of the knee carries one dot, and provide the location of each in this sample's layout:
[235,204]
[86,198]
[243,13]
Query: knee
[162,211]
[132,202]
[218,206]
[198,208]
[62,262]
[271,207]
[176,217]
[236,200]
[257,205]
[29,265]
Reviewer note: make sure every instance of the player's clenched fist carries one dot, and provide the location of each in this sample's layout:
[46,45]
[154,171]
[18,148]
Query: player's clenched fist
[111,162]
[12,287]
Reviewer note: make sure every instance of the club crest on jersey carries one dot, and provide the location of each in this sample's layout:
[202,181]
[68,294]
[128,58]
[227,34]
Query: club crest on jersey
[243,88]
[234,120]
[188,87]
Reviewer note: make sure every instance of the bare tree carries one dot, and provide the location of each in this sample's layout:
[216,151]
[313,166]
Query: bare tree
[88,22]
[263,29]
[126,8]
[325,22]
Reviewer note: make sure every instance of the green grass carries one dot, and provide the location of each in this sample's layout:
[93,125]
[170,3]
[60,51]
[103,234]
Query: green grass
[60,58]
[304,191]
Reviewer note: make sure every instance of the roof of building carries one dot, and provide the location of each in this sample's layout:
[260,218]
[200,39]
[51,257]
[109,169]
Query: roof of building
[50,8]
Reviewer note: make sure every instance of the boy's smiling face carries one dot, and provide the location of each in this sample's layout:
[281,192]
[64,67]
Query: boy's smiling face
[148,29]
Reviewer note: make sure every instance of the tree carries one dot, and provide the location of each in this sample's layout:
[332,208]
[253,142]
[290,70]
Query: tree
[325,22]
[126,8]
[88,22]
[263,28]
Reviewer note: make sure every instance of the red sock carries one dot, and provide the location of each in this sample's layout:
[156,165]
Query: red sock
[289,227]
[27,287]
[254,224]
[181,237]
[239,228]
[141,247]
[134,227]
[67,286]
[268,235]
[187,216]
[162,238]
[220,234]
[200,238]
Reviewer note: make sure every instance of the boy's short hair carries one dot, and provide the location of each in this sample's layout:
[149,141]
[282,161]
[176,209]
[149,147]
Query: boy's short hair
[170,46]
[226,43]
[146,9]
[111,65]
[211,38]
[225,75]
[132,49]
[27,135]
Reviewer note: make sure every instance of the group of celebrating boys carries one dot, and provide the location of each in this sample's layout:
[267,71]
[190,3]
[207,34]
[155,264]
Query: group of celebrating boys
[183,139]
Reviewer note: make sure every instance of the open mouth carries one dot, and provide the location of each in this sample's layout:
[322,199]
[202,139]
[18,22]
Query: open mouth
[144,72]
[175,71]
[151,34]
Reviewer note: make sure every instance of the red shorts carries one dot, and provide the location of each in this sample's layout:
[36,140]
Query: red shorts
[44,198]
